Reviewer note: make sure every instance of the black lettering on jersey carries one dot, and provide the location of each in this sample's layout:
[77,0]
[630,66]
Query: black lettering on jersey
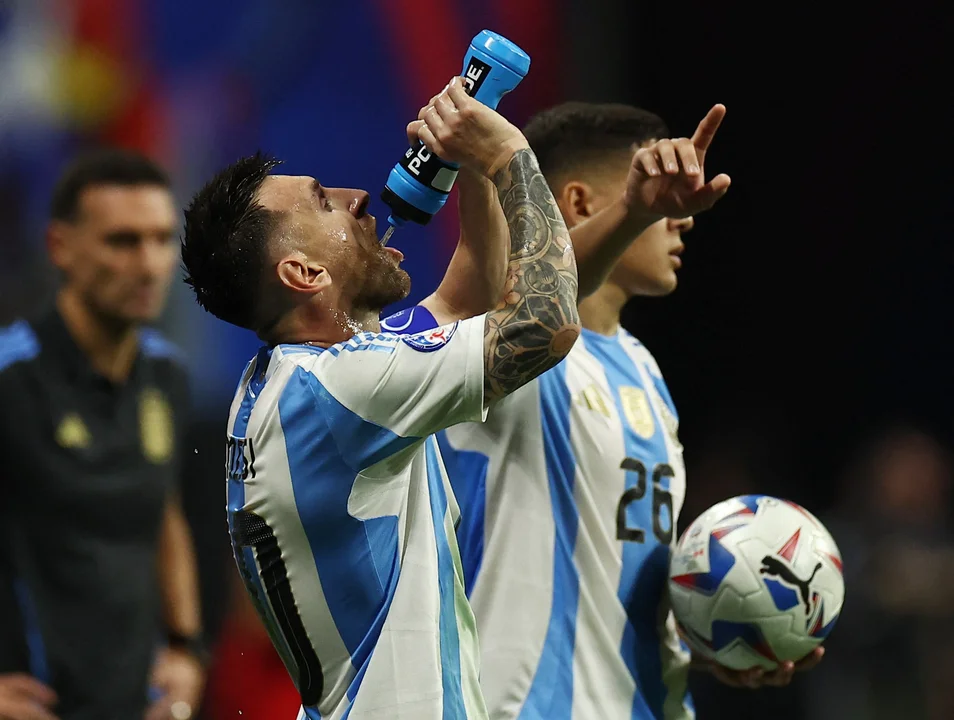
[632,494]
[283,621]
[239,464]
[662,498]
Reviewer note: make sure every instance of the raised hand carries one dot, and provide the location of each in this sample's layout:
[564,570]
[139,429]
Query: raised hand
[667,178]
[462,130]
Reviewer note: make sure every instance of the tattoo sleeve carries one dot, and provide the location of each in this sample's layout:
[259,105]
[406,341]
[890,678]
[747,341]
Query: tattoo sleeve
[537,321]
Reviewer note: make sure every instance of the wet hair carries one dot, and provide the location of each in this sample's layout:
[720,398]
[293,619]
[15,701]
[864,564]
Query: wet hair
[102,166]
[224,247]
[575,136]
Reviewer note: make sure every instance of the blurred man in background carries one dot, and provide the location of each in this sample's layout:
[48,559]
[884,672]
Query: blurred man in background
[98,593]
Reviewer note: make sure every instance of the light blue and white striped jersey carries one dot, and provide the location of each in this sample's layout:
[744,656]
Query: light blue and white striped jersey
[569,495]
[342,520]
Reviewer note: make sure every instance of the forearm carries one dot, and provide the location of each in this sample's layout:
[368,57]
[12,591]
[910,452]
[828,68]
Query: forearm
[178,576]
[475,277]
[537,322]
[600,241]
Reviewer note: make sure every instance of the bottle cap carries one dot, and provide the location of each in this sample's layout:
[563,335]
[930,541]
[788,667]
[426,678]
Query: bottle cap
[502,50]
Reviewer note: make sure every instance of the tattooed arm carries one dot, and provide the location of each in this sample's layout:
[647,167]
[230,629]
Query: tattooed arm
[536,323]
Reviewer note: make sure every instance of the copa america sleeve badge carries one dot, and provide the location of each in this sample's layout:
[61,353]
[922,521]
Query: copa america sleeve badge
[431,340]
[412,321]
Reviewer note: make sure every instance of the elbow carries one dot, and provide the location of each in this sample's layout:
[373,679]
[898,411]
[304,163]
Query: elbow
[566,338]
[566,335]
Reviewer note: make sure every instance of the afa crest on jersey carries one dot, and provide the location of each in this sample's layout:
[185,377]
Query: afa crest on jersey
[431,340]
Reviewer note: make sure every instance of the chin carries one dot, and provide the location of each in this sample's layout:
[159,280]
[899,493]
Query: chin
[393,288]
[134,315]
[403,281]
[658,287]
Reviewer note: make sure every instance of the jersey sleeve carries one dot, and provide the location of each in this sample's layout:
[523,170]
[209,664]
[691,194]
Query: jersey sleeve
[411,385]
[411,321]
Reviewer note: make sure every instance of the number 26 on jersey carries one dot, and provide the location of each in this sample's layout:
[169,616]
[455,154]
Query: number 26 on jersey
[662,525]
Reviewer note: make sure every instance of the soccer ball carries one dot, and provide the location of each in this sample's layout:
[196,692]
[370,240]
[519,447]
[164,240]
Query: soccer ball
[756,581]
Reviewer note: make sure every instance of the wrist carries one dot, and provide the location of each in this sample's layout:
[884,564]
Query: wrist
[191,644]
[472,181]
[510,148]
[636,214]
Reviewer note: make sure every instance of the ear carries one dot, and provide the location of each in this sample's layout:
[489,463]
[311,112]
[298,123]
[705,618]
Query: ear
[298,273]
[577,202]
[59,244]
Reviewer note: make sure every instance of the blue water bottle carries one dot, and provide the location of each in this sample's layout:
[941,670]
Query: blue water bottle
[418,186]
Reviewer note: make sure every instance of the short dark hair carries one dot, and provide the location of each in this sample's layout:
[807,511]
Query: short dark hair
[102,166]
[226,234]
[573,135]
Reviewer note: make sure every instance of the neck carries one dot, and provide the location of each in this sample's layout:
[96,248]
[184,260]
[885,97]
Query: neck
[322,327]
[600,311]
[110,345]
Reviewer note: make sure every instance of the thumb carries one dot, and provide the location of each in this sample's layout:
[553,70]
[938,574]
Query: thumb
[710,193]
[413,128]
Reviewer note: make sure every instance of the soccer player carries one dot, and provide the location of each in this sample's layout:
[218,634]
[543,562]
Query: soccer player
[340,514]
[570,491]
[95,411]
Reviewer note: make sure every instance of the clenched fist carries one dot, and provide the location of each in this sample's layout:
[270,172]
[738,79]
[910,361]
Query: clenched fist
[462,130]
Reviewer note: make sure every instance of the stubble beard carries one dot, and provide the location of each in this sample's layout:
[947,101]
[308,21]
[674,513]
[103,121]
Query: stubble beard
[384,283]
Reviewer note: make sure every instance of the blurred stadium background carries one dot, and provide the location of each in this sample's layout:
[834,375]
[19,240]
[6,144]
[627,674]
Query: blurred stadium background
[809,347]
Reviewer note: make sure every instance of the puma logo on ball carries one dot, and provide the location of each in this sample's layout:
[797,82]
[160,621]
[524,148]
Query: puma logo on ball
[775,567]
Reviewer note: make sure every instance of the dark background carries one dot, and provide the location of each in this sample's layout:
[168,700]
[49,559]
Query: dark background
[814,303]
[808,347]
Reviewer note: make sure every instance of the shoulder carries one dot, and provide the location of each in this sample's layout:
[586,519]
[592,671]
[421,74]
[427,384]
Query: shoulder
[358,347]
[352,362]
[156,346]
[169,364]
[18,344]
[641,352]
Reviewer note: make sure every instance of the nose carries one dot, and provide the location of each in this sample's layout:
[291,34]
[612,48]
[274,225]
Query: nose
[358,205]
[681,225]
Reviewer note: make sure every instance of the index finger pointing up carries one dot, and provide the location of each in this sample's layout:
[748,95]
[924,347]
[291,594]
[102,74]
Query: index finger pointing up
[703,135]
